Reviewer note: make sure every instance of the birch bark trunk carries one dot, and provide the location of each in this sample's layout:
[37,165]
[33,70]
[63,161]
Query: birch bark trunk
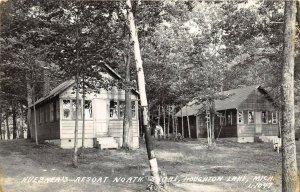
[75,155]
[143,97]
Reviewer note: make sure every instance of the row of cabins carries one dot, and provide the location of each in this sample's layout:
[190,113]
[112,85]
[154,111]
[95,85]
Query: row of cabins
[104,110]
[245,114]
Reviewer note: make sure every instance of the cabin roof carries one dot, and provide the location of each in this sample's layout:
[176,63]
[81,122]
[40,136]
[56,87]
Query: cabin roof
[234,99]
[56,91]
[66,84]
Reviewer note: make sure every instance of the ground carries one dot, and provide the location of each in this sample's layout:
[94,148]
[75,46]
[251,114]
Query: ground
[188,166]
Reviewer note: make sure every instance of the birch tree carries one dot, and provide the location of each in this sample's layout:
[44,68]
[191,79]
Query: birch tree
[143,97]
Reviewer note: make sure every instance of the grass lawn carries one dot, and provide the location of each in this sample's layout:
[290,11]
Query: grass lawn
[189,166]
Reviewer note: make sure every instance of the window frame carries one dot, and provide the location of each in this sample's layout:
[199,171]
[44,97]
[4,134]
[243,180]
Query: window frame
[229,118]
[266,117]
[91,108]
[118,107]
[276,115]
[72,110]
[133,112]
[253,117]
[240,117]
[69,108]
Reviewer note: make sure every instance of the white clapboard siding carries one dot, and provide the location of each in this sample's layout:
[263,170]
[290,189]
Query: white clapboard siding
[68,128]
[116,128]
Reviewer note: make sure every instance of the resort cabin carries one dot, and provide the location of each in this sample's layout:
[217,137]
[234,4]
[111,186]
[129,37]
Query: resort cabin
[103,110]
[247,114]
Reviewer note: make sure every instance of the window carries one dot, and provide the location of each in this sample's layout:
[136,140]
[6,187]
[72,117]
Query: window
[57,110]
[74,109]
[229,118]
[51,106]
[117,109]
[274,118]
[264,118]
[67,109]
[113,109]
[133,109]
[250,117]
[122,109]
[269,115]
[88,110]
[240,117]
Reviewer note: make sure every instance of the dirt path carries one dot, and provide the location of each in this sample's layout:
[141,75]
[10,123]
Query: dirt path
[189,166]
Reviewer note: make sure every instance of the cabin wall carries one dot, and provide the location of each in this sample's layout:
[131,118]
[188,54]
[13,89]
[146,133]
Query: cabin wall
[201,126]
[192,121]
[67,133]
[226,124]
[115,129]
[258,103]
[47,129]
[101,124]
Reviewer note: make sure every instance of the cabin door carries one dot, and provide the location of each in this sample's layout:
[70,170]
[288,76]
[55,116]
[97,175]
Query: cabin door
[100,110]
[258,125]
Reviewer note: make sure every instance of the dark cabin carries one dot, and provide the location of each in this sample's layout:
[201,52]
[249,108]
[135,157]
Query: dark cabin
[246,114]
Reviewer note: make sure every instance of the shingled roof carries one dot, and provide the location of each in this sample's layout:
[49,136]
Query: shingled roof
[234,99]
[66,84]
[57,90]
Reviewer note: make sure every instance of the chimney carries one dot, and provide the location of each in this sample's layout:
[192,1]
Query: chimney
[46,82]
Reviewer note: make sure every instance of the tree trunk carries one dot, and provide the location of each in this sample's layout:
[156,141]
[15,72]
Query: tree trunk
[164,121]
[212,116]
[21,136]
[1,123]
[176,127]
[143,97]
[212,128]
[289,162]
[158,115]
[75,155]
[182,128]
[34,117]
[173,120]
[127,121]
[29,102]
[7,126]
[188,122]
[83,118]
[14,118]
[169,114]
